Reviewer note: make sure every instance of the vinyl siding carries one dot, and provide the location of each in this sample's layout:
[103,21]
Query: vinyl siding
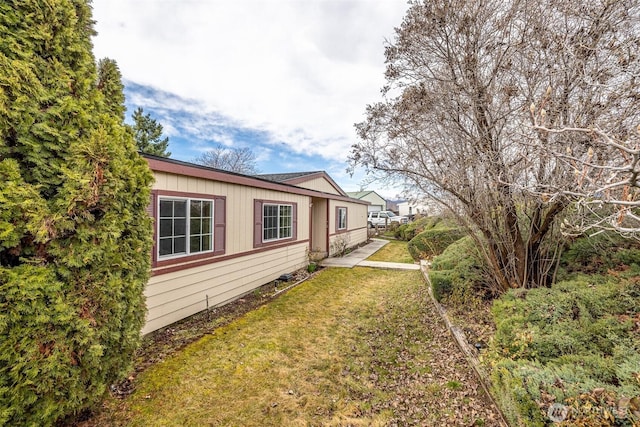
[183,291]
[319,184]
[174,296]
[356,231]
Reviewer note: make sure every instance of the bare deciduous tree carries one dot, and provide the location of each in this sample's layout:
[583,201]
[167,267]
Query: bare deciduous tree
[457,119]
[232,159]
[607,182]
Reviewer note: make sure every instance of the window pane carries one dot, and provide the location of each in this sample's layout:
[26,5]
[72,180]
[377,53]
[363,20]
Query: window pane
[165,247]
[270,233]
[206,226]
[194,244]
[180,208]
[166,228]
[343,218]
[166,208]
[207,209]
[195,226]
[179,245]
[196,208]
[285,222]
[270,222]
[285,211]
[285,232]
[201,224]
[206,242]
[179,227]
[270,210]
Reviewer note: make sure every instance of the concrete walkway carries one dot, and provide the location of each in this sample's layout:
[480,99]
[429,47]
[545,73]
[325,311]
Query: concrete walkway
[359,256]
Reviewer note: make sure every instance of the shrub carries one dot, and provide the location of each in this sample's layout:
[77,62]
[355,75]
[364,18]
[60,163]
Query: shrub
[578,316]
[627,256]
[516,403]
[433,241]
[441,283]
[400,232]
[410,230]
[458,270]
[393,228]
[75,236]
[600,253]
[560,344]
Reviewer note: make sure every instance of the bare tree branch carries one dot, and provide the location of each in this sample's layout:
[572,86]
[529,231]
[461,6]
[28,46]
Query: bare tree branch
[239,160]
[482,110]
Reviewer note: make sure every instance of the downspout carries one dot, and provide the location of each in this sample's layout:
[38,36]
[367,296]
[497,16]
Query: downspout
[311,226]
[327,247]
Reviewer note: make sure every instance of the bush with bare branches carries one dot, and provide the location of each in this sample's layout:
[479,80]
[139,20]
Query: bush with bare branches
[458,117]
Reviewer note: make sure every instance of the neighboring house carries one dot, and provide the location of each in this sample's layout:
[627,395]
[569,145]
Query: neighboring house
[412,208]
[377,203]
[219,235]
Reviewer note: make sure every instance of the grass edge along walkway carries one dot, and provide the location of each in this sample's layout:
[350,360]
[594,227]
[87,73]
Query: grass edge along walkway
[348,347]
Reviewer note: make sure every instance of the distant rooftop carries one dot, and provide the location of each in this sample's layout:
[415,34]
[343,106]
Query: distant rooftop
[283,177]
[358,194]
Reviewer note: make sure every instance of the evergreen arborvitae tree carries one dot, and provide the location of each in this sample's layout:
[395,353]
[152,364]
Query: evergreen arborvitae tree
[75,236]
[148,134]
[110,84]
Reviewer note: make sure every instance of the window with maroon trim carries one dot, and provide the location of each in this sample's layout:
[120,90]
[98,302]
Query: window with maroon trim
[185,226]
[341,218]
[275,222]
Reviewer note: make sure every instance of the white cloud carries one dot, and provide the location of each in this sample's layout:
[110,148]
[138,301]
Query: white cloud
[302,70]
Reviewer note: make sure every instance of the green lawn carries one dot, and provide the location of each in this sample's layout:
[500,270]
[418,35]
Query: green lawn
[359,347]
[394,251]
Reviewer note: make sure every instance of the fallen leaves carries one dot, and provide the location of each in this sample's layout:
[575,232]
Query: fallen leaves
[408,354]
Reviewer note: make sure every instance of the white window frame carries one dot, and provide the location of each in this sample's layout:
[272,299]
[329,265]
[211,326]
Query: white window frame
[342,217]
[278,218]
[188,236]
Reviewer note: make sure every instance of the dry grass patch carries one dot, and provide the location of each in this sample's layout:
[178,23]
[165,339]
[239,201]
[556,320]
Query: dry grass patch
[394,251]
[351,347]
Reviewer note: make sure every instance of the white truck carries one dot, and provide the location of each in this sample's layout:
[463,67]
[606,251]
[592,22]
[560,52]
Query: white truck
[385,218]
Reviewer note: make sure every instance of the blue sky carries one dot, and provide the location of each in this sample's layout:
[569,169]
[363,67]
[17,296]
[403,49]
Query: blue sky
[287,78]
[192,131]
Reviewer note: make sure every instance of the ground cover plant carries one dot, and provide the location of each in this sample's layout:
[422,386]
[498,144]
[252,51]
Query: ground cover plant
[348,347]
[394,251]
[577,344]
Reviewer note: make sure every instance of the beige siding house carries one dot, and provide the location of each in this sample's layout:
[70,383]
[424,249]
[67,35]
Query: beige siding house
[377,202]
[220,235]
